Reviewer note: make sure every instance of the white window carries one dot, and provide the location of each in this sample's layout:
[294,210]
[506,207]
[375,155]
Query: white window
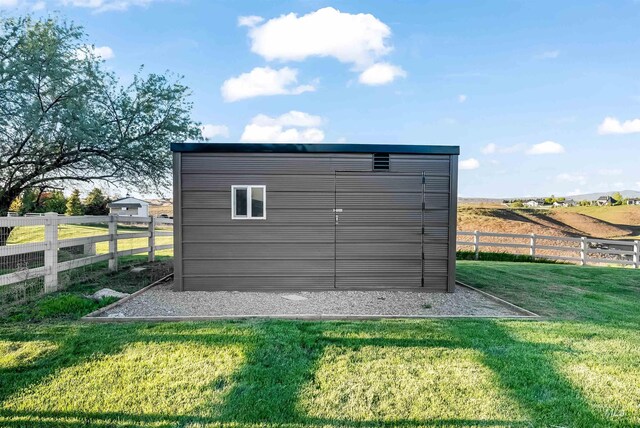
[248,202]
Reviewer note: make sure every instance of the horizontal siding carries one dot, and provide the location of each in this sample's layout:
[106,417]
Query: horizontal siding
[393,282]
[384,234]
[252,283]
[436,217]
[378,183]
[312,217]
[430,165]
[265,251]
[404,267]
[436,234]
[267,163]
[377,243]
[435,283]
[259,267]
[377,251]
[222,199]
[435,266]
[258,233]
[352,217]
[436,251]
[280,182]
[371,201]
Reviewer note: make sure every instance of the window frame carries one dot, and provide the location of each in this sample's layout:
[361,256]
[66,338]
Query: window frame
[249,188]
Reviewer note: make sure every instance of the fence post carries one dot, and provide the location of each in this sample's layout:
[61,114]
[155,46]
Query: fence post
[636,254]
[152,239]
[476,245]
[113,243]
[51,252]
[583,251]
[532,249]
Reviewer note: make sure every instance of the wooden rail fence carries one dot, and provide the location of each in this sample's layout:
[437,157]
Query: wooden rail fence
[51,244]
[581,250]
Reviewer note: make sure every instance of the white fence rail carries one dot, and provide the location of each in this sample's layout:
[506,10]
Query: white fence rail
[18,260]
[580,250]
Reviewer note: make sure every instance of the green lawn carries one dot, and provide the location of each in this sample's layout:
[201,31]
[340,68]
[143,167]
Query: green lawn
[28,234]
[577,367]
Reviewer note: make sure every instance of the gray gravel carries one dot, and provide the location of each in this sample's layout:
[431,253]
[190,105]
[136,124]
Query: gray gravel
[161,301]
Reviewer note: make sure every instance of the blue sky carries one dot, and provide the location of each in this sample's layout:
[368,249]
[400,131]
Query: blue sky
[542,97]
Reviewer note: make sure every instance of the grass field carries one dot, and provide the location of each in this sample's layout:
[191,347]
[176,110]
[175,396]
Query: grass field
[28,234]
[578,367]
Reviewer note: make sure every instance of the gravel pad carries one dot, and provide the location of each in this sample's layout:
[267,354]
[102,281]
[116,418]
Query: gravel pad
[162,301]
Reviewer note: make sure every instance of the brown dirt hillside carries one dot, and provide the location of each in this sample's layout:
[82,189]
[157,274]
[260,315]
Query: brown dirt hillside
[589,225]
[543,222]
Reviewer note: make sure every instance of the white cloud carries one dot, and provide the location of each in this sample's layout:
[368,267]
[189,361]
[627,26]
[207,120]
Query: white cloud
[210,131]
[575,192]
[102,52]
[8,3]
[263,81]
[548,55]
[107,5]
[572,178]
[611,125]
[39,5]
[470,163]
[249,21]
[357,39]
[637,184]
[545,148]
[350,38]
[462,98]
[294,126]
[381,74]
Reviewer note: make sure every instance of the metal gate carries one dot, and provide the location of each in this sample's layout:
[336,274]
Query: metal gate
[378,230]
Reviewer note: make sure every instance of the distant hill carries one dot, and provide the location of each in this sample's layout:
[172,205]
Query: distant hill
[593,196]
[582,197]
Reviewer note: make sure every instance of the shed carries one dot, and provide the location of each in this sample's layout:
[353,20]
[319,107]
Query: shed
[129,206]
[314,216]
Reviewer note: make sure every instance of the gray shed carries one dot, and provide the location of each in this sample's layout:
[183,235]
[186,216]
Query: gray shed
[314,216]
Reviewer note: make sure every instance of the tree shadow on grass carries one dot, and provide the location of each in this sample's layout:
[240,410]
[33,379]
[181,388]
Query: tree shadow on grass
[282,358]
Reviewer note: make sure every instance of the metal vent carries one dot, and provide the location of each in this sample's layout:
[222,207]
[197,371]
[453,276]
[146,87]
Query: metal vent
[381,161]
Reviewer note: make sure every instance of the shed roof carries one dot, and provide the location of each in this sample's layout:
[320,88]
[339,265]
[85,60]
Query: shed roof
[314,148]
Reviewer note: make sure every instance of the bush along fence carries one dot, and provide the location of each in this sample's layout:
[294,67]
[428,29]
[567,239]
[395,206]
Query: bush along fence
[42,254]
[579,250]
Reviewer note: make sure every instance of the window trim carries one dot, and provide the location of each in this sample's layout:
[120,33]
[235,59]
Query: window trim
[249,188]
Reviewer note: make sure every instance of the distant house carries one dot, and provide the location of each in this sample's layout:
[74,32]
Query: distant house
[633,201]
[604,201]
[565,203]
[532,203]
[129,206]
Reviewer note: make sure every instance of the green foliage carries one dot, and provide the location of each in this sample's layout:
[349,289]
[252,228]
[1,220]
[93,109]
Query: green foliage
[64,305]
[517,204]
[65,117]
[500,257]
[29,202]
[617,198]
[584,203]
[74,204]
[55,202]
[96,203]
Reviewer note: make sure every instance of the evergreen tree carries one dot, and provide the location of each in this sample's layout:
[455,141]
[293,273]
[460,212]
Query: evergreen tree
[74,204]
[96,203]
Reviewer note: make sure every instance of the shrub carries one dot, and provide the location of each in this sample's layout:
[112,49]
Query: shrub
[500,257]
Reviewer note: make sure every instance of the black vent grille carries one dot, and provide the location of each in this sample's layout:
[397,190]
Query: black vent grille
[381,161]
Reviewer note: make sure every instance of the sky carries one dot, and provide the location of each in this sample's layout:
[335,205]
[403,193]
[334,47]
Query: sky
[543,97]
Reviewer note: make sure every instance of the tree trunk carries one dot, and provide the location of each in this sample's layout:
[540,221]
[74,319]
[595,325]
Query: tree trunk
[4,235]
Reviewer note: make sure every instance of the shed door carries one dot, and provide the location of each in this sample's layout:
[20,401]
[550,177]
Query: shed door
[378,230]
